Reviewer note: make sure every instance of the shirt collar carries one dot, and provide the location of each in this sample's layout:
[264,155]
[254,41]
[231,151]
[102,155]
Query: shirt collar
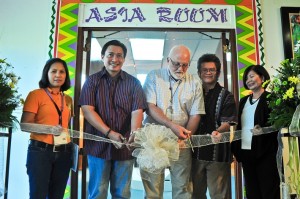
[104,73]
[51,91]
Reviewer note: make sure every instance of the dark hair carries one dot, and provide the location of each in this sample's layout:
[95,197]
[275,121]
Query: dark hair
[209,58]
[114,43]
[44,82]
[258,69]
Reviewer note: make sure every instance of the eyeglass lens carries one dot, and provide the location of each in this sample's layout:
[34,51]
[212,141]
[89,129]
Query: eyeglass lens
[206,70]
[177,64]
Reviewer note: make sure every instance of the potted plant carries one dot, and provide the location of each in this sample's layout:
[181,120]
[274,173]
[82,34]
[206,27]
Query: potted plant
[10,99]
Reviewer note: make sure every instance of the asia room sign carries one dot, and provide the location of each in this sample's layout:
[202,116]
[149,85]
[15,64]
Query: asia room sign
[157,15]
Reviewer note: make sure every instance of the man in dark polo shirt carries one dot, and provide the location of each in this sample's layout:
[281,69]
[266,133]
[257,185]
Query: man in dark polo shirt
[211,164]
[112,102]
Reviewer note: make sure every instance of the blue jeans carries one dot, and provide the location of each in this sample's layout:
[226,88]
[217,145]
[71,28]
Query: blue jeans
[48,172]
[104,172]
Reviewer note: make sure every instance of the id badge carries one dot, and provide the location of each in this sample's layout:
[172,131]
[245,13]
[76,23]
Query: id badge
[61,139]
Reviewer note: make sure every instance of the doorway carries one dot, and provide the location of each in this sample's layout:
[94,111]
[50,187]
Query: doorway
[200,41]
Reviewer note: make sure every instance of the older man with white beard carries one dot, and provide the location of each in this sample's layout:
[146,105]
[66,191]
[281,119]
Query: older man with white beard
[175,100]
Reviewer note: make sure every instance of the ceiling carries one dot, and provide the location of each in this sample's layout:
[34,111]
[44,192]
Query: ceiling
[199,43]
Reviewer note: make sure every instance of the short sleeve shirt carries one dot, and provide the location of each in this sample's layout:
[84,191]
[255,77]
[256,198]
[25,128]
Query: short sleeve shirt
[114,100]
[39,103]
[187,95]
[220,107]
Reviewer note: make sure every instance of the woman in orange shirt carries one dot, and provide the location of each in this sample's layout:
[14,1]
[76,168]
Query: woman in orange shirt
[49,157]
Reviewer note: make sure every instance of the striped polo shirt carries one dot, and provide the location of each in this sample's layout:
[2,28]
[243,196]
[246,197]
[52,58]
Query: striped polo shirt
[114,100]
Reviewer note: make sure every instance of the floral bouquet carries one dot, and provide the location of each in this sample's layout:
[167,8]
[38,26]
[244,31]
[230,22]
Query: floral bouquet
[284,103]
[9,99]
[284,97]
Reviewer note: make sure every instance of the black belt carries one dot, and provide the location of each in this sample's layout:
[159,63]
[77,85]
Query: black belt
[51,147]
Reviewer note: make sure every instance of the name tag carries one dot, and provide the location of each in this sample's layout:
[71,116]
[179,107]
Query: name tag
[61,139]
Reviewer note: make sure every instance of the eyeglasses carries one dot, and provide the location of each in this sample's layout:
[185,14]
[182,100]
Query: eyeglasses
[206,70]
[178,65]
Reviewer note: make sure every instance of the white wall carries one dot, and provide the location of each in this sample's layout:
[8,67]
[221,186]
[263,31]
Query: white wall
[24,33]
[24,41]
[272,30]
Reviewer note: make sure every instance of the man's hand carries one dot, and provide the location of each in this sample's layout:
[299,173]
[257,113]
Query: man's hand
[216,137]
[130,141]
[117,137]
[180,131]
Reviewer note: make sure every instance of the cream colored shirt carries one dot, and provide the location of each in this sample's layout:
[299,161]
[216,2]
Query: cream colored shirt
[187,95]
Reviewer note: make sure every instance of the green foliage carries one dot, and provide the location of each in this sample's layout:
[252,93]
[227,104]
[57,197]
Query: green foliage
[284,97]
[9,98]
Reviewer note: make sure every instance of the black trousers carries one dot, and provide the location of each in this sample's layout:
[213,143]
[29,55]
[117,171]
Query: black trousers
[261,176]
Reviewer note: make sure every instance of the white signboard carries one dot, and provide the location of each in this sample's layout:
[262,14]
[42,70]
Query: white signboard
[156,15]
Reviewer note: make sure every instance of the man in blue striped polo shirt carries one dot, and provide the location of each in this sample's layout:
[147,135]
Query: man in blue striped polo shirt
[112,102]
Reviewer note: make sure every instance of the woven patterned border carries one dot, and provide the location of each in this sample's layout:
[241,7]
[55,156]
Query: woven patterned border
[259,35]
[67,39]
[245,42]
[231,2]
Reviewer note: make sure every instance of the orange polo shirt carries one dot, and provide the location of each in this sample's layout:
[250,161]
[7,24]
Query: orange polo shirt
[39,103]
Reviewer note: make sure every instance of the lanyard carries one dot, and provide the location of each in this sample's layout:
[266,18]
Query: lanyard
[171,89]
[169,110]
[57,109]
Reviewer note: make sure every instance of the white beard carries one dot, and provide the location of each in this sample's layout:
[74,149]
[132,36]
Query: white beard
[177,76]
